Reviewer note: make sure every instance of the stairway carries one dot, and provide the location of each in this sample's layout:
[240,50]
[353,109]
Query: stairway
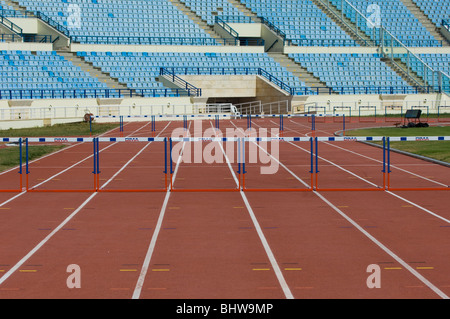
[342,21]
[246,11]
[95,72]
[194,17]
[401,69]
[15,5]
[425,21]
[298,71]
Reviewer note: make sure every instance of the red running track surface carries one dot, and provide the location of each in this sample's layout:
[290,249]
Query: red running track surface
[228,244]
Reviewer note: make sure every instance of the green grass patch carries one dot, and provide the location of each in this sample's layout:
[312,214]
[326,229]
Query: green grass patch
[10,156]
[70,129]
[397,131]
[432,149]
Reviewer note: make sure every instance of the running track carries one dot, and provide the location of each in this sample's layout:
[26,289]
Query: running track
[225,245]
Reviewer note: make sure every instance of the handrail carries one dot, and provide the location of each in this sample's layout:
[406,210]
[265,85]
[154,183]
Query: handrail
[10,25]
[274,28]
[38,15]
[180,82]
[230,71]
[383,37]
[52,23]
[10,38]
[226,27]
[145,40]
[11,94]
[327,3]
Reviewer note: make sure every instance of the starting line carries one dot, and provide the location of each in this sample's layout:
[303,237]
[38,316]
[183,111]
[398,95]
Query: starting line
[242,143]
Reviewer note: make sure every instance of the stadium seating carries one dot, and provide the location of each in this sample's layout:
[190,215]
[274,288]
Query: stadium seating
[302,22]
[397,19]
[139,70]
[125,18]
[208,9]
[47,73]
[435,10]
[353,73]
[438,62]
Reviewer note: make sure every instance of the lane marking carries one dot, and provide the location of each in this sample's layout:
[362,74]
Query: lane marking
[376,241]
[388,192]
[278,273]
[60,226]
[293,269]
[151,248]
[67,169]
[373,159]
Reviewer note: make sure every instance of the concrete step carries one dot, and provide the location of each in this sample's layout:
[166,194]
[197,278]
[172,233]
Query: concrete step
[335,14]
[425,21]
[297,70]
[194,17]
[95,72]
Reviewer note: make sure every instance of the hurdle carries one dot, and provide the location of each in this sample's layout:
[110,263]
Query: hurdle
[58,140]
[96,163]
[133,140]
[343,109]
[243,151]
[20,172]
[370,118]
[446,119]
[171,170]
[316,110]
[349,139]
[248,140]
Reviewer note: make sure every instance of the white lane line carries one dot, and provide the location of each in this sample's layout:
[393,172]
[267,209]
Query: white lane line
[58,228]
[388,192]
[387,250]
[65,170]
[278,273]
[373,159]
[61,150]
[379,244]
[151,248]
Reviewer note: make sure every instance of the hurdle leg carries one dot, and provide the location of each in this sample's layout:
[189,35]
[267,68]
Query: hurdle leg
[20,164]
[27,165]
[94,172]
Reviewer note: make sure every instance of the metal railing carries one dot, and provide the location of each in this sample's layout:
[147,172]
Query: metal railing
[191,89]
[35,14]
[446,24]
[9,24]
[224,25]
[26,94]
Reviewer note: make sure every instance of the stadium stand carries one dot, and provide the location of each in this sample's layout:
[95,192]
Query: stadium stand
[435,10]
[45,74]
[354,73]
[106,20]
[396,18]
[209,9]
[301,21]
[140,70]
